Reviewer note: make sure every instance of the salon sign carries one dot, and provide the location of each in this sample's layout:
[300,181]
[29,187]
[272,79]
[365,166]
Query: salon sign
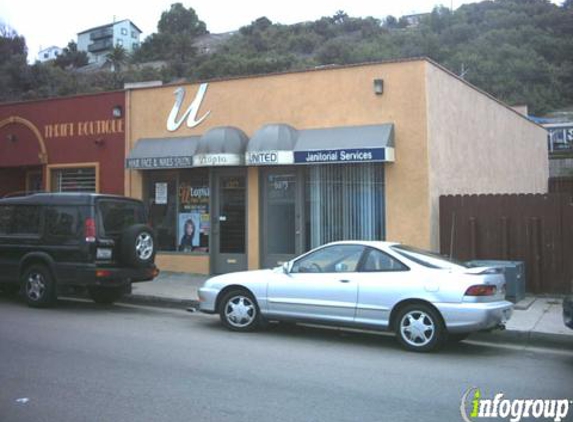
[191,115]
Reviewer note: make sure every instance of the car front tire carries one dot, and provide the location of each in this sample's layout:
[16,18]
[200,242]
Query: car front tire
[239,311]
[419,328]
[38,286]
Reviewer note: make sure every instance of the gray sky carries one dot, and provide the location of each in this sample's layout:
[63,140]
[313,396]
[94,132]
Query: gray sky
[55,22]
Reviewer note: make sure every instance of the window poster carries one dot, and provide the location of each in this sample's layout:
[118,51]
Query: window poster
[189,226]
[194,221]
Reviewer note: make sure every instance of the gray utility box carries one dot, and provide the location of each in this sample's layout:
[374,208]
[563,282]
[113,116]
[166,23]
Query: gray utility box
[514,272]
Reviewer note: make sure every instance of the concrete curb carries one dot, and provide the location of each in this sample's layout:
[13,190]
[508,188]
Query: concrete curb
[160,302]
[510,337]
[525,338]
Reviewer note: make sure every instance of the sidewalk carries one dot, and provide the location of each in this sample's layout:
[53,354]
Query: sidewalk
[536,321]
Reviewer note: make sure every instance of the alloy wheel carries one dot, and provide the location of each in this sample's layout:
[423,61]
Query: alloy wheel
[144,246]
[35,286]
[417,328]
[240,311]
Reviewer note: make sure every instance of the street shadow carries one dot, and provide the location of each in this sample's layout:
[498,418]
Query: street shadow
[359,338]
[75,304]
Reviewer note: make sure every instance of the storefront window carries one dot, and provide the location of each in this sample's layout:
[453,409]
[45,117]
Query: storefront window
[179,209]
[344,202]
[161,199]
[193,215]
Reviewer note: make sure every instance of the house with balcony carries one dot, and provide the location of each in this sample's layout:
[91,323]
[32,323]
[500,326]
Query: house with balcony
[99,41]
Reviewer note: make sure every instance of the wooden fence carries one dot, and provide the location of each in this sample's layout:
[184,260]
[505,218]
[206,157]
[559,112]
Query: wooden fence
[536,229]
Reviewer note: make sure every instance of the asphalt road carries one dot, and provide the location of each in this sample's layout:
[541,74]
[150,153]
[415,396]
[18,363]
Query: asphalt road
[83,362]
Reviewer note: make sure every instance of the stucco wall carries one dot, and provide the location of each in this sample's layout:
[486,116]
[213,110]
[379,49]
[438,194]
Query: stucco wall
[314,99]
[478,145]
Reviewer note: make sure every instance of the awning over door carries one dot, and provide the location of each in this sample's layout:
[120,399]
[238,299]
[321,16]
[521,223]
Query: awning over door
[348,144]
[158,153]
[272,144]
[221,146]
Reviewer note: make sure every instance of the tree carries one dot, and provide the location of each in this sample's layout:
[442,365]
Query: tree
[339,17]
[71,57]
[13,65]
[178,20]
[178,28]
[391,22]
[117,57]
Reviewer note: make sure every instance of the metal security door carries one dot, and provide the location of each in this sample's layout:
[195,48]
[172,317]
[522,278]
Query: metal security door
[229,221]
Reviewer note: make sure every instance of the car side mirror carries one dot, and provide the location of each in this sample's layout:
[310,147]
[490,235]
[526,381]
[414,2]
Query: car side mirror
[287,267]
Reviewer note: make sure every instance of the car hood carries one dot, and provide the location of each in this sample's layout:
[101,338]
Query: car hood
[240,277]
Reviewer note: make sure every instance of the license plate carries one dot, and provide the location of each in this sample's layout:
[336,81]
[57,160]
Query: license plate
[103,253]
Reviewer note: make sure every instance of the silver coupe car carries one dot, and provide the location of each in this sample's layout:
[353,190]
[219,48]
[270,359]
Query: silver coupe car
[424,298]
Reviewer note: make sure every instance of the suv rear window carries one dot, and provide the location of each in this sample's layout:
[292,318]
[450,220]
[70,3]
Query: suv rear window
[117,215]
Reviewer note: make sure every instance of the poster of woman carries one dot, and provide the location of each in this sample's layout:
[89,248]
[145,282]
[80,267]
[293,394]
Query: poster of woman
[189,224]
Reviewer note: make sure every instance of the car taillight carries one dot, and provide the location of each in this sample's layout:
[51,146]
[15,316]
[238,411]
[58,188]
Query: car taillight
[90,230]
[481,290]
[103,273]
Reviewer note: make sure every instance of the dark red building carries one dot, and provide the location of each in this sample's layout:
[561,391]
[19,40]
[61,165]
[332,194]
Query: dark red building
[63,144]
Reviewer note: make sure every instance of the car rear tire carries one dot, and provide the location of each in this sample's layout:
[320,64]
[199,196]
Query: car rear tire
[38,286]
[105,295]
[239,311]
[137,246]
[419,328]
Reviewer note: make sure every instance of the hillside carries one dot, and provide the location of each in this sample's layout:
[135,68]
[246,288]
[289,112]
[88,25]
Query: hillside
[521,51]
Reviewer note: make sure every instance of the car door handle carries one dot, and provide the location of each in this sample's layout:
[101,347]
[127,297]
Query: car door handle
[344,281]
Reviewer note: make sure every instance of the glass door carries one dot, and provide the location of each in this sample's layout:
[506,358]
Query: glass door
[229,248]
[282,201]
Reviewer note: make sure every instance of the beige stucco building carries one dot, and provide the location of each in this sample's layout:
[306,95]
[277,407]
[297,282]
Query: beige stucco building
[248,172]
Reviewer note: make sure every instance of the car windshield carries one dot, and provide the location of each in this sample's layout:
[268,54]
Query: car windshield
[117,215]
[428,259]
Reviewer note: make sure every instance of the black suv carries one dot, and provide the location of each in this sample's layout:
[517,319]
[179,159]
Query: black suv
[49,242]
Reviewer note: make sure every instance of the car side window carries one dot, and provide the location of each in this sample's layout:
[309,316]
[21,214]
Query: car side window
[25,220]
[62,222]
[378,261]
[332,259]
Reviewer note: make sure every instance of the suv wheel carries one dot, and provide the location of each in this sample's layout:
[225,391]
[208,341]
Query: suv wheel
[138,245]
[105,295]
[38,286]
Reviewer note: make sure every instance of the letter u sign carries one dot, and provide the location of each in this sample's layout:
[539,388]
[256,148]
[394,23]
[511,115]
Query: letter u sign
[173,123]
